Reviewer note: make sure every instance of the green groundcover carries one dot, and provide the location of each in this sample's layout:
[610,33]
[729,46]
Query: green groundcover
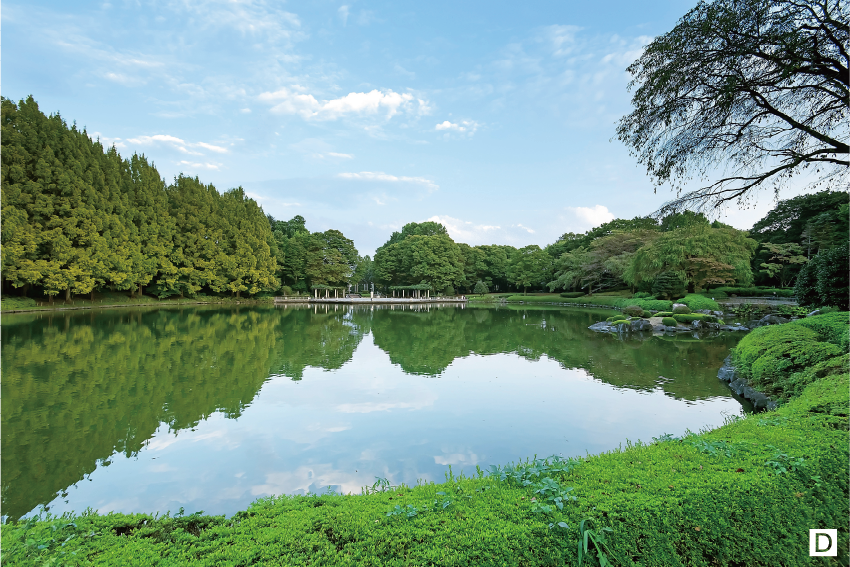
[746,493]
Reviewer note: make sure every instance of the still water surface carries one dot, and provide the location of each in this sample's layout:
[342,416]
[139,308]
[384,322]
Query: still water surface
[211,408]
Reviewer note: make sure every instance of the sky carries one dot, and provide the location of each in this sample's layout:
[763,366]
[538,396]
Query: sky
[494,118]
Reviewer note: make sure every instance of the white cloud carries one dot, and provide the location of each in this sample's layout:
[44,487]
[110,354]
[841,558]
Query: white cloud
[592,216]
[178,143]
[342,156]
[295,101]
[465,126]
[465,231]
[201,165]
[525,228]
[381,176]
[343,12]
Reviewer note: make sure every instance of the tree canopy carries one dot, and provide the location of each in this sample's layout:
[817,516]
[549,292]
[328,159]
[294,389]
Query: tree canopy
[78,218]
[758,85]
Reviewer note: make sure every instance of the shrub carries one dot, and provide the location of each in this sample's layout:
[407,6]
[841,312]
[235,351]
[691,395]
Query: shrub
[669,322]
[664,314]
[286,290]
[831,327]
[17,302]
[480,288]
[643,295]
[615,318]
[750,292]
[657,304]
[633,310]
[769,356]
[668,285]
[646,314]
[681,309]
[691,317]
[450,291]
[571,294]
[697,302]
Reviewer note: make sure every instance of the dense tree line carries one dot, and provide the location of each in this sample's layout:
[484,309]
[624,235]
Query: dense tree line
[640,252]
[79,218]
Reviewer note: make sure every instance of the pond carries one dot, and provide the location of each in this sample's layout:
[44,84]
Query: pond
[210,408]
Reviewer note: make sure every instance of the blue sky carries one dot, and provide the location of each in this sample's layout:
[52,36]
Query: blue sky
[495,118]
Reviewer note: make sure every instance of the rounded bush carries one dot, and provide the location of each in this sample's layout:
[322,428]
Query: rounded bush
[679,309]
[449,291]
[646,314]
[615,318]
[480,288]
[633,311]
[664,314]
[669,322]
[768,355]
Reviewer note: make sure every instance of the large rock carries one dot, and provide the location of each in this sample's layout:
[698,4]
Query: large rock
[705,326]
[601,327]
[641,325]
[735,327]
[772,320]
[738,385]
[727,373]
[813,313]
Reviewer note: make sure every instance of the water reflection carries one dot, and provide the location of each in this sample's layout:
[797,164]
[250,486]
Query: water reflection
[145,410]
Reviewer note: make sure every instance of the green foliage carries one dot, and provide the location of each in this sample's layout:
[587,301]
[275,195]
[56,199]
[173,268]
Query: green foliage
[698,302]
[450,291]
[783,260]
[833,277]
[753,291]
[698,254]
[825,280]
[480,288]
[633,311]
[664,314]
[691,317]
[614,318]
[9,303]
[643,295]
[669,322]
[77,219]
[668,285]
[601,264]
[648,304]
[681,309]
[774,357]
[529,267]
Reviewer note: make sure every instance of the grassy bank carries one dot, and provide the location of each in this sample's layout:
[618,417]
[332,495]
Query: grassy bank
[743,494]
[694,301]
[109,299]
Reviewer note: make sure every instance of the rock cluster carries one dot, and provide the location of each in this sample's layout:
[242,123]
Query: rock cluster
[740,386]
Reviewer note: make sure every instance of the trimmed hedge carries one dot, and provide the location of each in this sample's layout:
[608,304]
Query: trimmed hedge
[664,314]
[698,302]
[669,322]
[691,317]
[573,294]
[754,291]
